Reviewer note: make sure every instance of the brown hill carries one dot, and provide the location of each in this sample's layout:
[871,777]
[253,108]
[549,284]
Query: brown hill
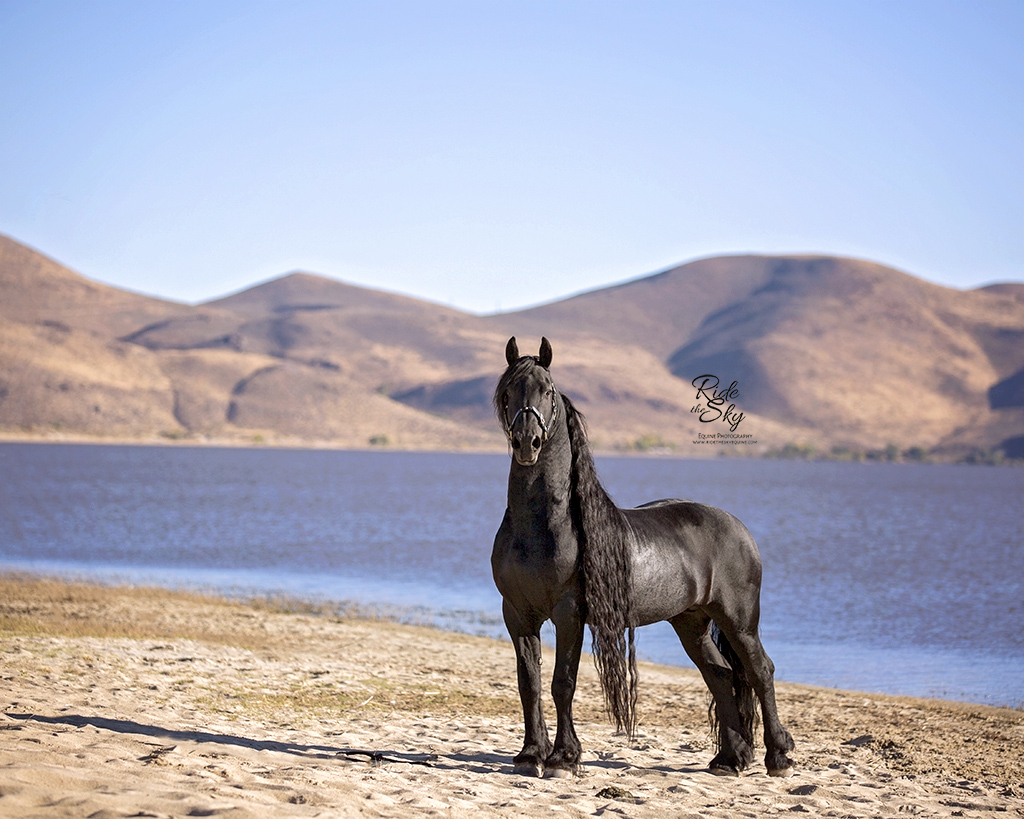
[841,352]
[322,359]
[657,313]
[37,289]
[825,351]
[301,359]
[61,365]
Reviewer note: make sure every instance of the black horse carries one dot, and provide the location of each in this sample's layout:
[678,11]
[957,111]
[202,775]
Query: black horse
[566,553]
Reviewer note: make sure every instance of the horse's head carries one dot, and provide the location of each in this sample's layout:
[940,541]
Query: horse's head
[526,401]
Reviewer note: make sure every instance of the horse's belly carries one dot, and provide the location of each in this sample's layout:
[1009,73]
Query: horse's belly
[664,583]
[657,599]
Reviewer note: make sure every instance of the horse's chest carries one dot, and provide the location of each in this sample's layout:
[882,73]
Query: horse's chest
[537,568]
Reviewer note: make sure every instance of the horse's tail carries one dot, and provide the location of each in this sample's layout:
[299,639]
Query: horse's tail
[746,702]
[606,570]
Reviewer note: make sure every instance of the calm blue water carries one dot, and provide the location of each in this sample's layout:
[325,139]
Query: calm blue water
[896,578]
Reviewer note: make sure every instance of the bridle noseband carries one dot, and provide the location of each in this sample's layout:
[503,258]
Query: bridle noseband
[545,428]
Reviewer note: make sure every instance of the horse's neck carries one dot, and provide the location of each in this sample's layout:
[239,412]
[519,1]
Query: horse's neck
[539,495]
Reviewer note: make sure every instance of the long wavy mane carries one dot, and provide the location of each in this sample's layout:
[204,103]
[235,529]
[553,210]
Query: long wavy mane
[602,534]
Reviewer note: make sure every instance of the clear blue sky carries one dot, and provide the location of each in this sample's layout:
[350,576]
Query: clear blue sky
[491,155]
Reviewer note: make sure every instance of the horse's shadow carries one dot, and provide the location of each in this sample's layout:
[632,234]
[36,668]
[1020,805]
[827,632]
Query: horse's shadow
[478,762]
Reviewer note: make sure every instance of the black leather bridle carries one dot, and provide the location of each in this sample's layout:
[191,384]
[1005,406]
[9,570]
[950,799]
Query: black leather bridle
[531,410]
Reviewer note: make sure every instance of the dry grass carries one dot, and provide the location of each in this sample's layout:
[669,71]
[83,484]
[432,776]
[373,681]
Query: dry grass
[33,606]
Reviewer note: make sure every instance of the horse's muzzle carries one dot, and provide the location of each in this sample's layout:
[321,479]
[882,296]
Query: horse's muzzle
[526,447]
[528,432]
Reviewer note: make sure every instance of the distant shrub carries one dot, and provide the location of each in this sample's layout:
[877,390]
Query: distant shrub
[379,440]
[651,443]
[984,456]
[890,454]
[842,453]
[794,451]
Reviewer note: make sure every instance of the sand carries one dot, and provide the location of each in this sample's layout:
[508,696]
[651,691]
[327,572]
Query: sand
[122,702]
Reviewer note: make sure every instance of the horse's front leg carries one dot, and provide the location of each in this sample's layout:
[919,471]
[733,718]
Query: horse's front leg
[526,639]
[564,759]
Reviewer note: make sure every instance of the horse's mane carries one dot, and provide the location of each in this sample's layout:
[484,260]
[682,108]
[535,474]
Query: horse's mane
[511,374]
[602,533]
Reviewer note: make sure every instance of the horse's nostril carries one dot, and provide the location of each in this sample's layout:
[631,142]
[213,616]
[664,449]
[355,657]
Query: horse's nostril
[536,442]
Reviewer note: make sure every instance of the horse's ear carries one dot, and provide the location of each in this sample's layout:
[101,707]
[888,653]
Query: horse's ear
[512,351]
[545,353]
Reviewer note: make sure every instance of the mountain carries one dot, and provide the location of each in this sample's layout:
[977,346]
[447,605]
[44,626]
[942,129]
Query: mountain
[825,352]
[839,353]
[61,365]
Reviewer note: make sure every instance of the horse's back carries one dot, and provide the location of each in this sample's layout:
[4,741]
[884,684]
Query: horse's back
[697,523]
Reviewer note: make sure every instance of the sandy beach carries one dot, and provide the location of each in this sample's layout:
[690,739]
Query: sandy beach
[122,702]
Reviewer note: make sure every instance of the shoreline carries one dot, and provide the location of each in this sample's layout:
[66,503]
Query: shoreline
[789,452]
[124,701]
[487,622]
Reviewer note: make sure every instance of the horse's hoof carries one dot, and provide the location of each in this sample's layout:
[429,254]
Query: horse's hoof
[782,772]
[529,769]
[558,773]
[723,769]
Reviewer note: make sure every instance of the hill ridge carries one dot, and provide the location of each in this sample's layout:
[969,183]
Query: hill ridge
[828,352]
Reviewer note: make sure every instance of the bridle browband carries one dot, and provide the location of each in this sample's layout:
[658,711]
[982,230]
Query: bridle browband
[545,428]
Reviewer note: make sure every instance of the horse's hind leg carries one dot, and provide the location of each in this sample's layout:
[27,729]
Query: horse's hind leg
[536,745]
[760,672]
[735,743]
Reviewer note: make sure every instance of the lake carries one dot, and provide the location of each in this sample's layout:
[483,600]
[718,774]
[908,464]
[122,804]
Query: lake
[894,578]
